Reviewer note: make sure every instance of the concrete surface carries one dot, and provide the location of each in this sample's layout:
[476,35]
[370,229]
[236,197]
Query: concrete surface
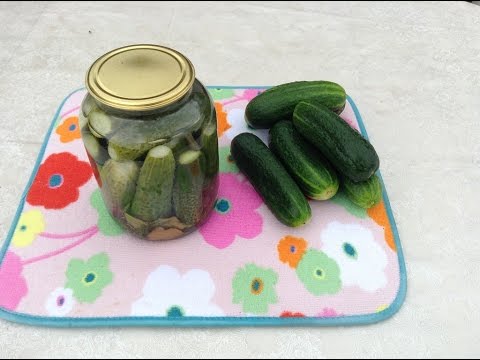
[412,69]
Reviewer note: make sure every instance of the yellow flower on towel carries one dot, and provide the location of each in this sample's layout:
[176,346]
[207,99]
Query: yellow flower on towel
[29,225]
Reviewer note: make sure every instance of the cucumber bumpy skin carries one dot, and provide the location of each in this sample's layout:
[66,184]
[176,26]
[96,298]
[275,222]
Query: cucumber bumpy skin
[270,179]
[153,196]
[347,150]
[129,144]
[365,194]
[119,181]
[313,174]
[188,186]
[209,144]
[278,103]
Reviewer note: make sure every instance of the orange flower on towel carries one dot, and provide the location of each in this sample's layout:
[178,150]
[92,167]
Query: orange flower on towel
[291,250]
[379,214]
[222,123]
[69,130]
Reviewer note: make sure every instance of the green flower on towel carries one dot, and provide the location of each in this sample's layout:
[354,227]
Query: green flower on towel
[88,278]
[254,288]
[227,164]
[219,94]
[319,274]
[106,224]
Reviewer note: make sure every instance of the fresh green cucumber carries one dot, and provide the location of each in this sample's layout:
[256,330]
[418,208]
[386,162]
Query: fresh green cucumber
[348,151]
[364,194]
[317,179]
[94,149]
[119,180]
[268,176]
[188,186]
[278,103]
[153,197]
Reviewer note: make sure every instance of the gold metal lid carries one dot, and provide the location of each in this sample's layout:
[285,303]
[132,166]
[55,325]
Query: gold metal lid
[140,77]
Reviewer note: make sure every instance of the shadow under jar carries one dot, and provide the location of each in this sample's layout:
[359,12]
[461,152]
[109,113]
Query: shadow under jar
[150,129]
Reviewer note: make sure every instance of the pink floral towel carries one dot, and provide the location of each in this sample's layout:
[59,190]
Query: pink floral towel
[67,263]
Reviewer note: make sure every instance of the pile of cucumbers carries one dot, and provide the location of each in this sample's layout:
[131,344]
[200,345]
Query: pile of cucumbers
[312,151]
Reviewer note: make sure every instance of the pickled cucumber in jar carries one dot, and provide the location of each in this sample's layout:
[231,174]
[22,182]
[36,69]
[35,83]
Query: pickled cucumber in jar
[150,129]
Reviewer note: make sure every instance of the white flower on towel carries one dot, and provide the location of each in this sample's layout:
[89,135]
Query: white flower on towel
[361,260]
[60,302]
[168,293]
[236,118]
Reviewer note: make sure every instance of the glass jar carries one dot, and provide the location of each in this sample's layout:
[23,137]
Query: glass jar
[150,131]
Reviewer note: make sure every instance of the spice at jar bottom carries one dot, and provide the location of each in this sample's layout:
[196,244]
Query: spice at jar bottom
[150,129]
